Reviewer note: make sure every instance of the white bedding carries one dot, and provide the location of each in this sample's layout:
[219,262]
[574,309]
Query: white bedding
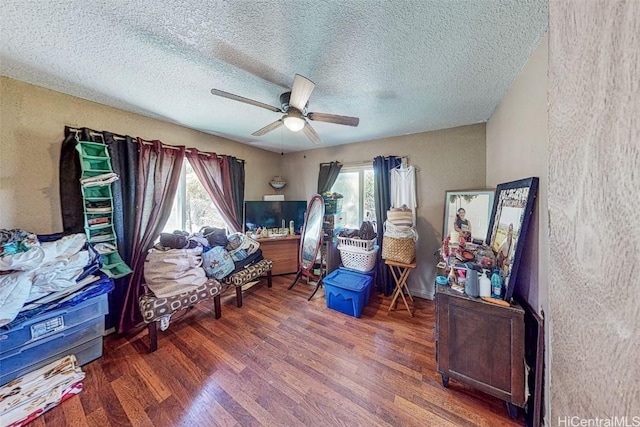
[49,267]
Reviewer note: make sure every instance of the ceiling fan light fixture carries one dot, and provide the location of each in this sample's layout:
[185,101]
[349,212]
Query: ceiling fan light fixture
[294,123]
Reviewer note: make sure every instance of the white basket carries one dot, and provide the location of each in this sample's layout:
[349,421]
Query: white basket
[356,244]
[357,259]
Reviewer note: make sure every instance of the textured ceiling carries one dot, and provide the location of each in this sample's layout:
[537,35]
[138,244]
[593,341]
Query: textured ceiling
[402,67]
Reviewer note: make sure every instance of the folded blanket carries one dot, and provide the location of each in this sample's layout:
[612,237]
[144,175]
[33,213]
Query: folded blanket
[31,395]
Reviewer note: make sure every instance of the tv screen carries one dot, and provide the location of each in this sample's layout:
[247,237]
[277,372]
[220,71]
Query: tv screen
[270,214]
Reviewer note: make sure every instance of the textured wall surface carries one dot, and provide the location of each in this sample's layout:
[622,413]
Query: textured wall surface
[32,128]
[594,200]
[451,159]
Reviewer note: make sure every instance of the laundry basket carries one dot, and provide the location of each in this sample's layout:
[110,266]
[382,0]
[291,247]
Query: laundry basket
[353,244]
[358,259]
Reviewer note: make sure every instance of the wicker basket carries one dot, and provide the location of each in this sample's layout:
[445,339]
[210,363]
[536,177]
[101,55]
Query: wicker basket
[357,259]
[356,244]
[398,250]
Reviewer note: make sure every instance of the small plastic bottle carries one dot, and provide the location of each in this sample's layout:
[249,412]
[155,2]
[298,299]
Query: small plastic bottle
[292,229]
[496,284]
[452,276]
[485,284]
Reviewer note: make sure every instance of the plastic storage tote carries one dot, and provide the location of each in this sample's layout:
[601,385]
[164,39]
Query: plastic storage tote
[51,335]
[347,291]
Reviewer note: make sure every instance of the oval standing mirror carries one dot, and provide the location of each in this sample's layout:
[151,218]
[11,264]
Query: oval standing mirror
[310,241]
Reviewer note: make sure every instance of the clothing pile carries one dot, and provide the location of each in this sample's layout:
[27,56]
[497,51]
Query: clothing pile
[39,273]
[26,398]
[365,232]
[181,262]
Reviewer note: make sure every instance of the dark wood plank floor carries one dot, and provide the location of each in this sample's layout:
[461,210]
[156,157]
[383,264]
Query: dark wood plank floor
[278,361]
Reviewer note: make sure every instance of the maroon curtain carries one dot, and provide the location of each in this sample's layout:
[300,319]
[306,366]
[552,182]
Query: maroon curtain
[213,173]
[159,174]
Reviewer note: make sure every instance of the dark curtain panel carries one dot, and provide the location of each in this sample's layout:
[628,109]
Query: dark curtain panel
[69,178]
[159,169]
[124,161]
[382,195]
[123,151]
[235,169]
[327,176]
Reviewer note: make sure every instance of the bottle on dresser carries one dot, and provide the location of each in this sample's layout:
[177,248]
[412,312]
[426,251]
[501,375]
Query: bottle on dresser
[496,284]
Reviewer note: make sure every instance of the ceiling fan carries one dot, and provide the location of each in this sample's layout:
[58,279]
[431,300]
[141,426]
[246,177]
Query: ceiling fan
[294,107]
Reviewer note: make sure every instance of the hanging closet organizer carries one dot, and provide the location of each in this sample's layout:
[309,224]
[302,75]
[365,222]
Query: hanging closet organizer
[98,207]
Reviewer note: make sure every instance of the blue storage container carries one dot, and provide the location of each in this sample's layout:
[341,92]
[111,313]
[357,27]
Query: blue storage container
[370,273]
[347,291]
[52,335]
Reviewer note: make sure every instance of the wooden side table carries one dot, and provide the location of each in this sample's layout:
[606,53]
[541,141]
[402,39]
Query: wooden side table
[400,272]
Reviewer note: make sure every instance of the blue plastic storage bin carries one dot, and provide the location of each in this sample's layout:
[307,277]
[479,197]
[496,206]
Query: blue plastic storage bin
[347,291]
[52,335]
[371,273]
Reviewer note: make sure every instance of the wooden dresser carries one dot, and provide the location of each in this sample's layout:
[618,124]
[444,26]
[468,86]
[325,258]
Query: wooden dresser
[482,345]
[283,252]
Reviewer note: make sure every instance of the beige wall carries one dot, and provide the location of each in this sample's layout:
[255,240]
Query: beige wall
[594,164]
[32,121]
[447,159]
[517,139]
[517,147]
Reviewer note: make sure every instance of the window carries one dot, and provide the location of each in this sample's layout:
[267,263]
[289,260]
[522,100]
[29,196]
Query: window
[355,183]
[192,208]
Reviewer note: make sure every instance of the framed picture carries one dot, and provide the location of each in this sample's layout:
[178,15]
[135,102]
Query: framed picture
[508,226]
[467,212]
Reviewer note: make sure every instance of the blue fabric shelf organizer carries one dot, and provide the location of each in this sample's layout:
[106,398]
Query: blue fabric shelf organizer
[98,206]
[347,291]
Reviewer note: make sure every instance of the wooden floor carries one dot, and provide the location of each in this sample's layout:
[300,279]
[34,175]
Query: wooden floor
[278,361]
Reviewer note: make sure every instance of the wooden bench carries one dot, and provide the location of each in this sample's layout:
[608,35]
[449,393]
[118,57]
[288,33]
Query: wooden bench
[246,275]
[159,310]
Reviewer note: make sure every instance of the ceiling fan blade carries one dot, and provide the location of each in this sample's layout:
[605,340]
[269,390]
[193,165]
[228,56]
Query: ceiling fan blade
[311,133]
[268,128]
[301,92]
[243,99]
[332,118]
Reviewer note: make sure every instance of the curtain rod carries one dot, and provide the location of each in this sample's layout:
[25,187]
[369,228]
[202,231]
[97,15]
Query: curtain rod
[147,142]
[403,159]
[357,163]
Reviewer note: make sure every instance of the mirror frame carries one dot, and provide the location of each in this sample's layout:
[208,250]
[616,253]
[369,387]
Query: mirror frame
[490,192]
[308,270]
[513,204]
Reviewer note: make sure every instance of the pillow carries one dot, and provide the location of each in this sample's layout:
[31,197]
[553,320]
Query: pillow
[240,246]
[217,262]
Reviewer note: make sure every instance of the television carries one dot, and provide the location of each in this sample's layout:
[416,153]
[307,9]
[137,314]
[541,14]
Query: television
[259,214]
